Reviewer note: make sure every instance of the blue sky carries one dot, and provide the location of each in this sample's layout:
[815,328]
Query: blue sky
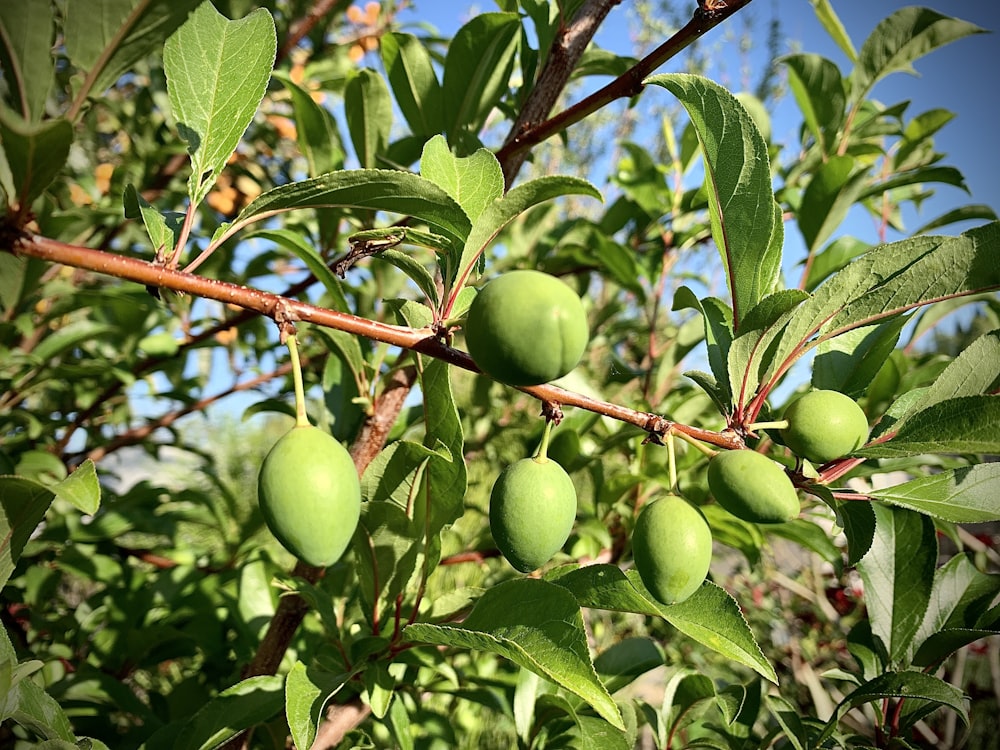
[955,77]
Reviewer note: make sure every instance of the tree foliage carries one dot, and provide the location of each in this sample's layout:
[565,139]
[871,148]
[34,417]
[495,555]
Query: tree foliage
[187,184]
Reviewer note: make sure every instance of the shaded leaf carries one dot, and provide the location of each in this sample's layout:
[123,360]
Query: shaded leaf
[244,705]
[106,38]
[898,573]
[315,130]
[835,186]
[849,362]
[537,625]
[369,116]
[398,192]
[23,504]
[476,72]
[34,154]
[26,32]
[410,70]
[818,89]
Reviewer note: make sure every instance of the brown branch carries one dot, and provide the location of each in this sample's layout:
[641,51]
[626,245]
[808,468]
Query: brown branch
[422,340]
[567,48]
[304,25]
[627,85]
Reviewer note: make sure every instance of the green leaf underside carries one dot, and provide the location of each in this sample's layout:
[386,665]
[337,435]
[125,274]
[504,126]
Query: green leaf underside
[967,424]
[537,625]
[306,694]
[25,44]
[396,192]
[738,177]
[968,494]
[884,282]
[217,71]
[711,616]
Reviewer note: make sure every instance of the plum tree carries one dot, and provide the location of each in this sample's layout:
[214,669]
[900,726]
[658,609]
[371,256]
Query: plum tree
[672,548]
[310,495]
[532,510]
[824,425]
[526,328]
[753,487]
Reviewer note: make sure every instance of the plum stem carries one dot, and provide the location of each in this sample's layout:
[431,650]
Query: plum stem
[695,442]
[671,461]
[541,455]
[780,424]
[301,419]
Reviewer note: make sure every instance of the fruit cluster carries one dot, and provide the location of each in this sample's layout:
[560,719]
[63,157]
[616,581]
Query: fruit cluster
[526,328]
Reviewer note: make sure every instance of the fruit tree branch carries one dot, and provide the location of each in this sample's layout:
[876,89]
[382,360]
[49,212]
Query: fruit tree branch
[422,340]
[567,48]
[628,84]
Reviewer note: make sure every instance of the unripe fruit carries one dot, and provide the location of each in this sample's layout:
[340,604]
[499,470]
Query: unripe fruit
[532,510]
[526,328]
[310,495]
[753,487]
[672,548]
[824,425]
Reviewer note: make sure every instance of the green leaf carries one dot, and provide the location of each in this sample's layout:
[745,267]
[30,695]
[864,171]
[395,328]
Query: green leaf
[960,595]
[476,73]
[835,186]
[33,154]
[369,116]
[217,71]
[900,39]
[972,212]
[834,257]
[411,75]
[163,229]
[909,685]
[920,176]
[738,180]
[474,181]
[898,573]
[718,318]
[444,499]
[537,625]
[26,32]
[307,691]
[969,494]
[307,253]
[23,504]
[81,488]
[378,189]
[620,664]
[415,270]
[857,518]
[246,704]
[33,708]
[831,22]
[968,424]
[105,38]
[849,362]
[710,616]
[315,130]
[501,212]
[818,88]
[887,281]
[965,375]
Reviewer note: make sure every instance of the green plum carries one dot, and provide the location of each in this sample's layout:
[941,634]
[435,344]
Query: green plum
[526,328]
[753,487]
[532,510]
[310,495]
[672,548]
[824,425]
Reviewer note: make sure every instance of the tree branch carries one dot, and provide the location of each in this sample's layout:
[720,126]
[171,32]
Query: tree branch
[628,84]
[567,48]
